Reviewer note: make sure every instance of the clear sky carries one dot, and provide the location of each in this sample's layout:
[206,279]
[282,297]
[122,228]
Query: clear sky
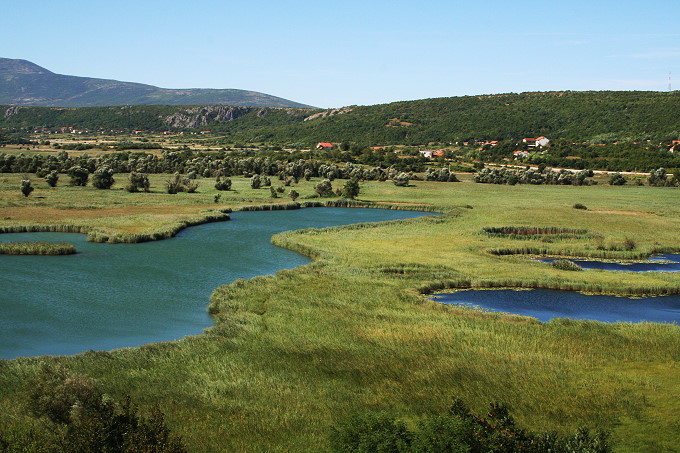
[336,53]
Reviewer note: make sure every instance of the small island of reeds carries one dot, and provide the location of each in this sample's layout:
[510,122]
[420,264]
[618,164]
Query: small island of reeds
[37,248]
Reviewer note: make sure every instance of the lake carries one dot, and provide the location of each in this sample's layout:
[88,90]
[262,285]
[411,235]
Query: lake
[658,263]
[546,304]
[109,296]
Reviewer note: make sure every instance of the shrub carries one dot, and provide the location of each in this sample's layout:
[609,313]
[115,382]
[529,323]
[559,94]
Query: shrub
[369,434]
[26,187]
[402,179]
[102,178]
[580,206]
[137,182]
[78,175]
[324,188]
[566,265]
[617,179]
[178,184]
[293,194]
[255,182]
[223,183]
[52,178]
[351,189]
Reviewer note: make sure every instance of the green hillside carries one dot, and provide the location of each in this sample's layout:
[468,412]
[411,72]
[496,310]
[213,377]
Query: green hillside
[607,116]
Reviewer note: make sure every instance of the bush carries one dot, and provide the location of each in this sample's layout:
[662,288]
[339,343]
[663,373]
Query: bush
[459,431]
[255,182]
[402,179]
[371,433]
[566,265]
[137,182]
[178,184]
[223,183]
[78,175]
[102,178]
[617,179]
[26,187]
[580,206]
[52,178]
[324,188]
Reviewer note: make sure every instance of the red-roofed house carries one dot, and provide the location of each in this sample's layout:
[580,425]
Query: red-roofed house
[324,145]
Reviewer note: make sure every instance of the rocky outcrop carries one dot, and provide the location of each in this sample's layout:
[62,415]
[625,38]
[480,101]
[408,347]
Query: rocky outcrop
[11,111]
[198,117]
[326,113]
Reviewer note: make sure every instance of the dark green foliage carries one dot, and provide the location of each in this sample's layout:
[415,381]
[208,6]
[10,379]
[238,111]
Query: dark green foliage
[255,182]
[223,183]
[617,179]
[26,187]
[351,189]
[402,179]
[512,176]
[442,434]
[371,434]
[102,178]
[137,182]
[177,184]
[580,206]
[79,175]
[440,174]
[660,178]
[52,178]
[293,194]
[566,265]
[324,188]
[80,418]
[459,431]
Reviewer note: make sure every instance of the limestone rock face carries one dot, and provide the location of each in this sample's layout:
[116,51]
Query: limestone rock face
[198,117]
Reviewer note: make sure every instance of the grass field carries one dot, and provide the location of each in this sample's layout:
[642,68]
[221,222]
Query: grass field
[292,354]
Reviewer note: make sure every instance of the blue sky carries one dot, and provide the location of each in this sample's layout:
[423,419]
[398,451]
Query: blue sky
[331,54]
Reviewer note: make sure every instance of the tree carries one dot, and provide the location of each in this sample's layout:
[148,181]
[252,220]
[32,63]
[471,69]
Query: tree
[26,187]
[324,188]
[102,178]
[351,189]
[617,179]
[402,179]
[223,183]
[293,194]
[137,182]
[52,178]
[255,182]
[78,175]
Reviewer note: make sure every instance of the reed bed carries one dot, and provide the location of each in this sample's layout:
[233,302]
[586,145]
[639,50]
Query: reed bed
[536,233]
[36,248]
[291,354]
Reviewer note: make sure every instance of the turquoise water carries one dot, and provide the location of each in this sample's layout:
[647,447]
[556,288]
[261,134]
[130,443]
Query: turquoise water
[546,304]
[110,296]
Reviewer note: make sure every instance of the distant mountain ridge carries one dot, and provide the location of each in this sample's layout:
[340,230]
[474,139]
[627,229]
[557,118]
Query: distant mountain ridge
[25,83]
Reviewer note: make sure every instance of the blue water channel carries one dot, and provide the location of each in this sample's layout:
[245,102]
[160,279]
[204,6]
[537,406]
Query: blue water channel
[657,263]
[109,296]
[546,304]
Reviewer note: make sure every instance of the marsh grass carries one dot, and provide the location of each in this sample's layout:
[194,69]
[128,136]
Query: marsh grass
[291,354]
[36,248]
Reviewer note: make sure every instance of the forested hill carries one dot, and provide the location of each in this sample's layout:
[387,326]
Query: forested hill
[605,116]
[25,83]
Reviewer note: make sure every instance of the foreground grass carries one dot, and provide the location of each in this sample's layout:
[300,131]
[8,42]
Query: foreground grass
[293,353]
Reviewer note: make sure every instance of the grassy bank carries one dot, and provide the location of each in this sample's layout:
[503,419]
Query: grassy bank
[292,353]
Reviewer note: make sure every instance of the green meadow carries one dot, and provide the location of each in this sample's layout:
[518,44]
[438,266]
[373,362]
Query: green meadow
[293,354]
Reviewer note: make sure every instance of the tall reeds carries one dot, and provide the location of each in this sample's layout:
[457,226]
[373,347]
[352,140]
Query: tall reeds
[37,248]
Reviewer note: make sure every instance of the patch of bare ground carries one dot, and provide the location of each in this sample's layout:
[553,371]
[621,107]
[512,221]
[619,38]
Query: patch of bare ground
[617,212]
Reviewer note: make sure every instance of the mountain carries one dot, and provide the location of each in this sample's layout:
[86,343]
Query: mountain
[25,83]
